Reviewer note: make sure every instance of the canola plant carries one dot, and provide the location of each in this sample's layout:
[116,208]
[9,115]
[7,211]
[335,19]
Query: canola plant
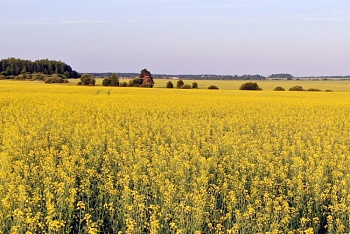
[133,160]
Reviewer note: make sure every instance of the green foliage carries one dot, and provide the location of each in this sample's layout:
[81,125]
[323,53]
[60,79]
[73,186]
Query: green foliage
[281,75]
[194,85]
[186,86]
[250,86]
[136,82]
[314,90]
[213,87]
[123,84]
[180,83]
[106,82]
[66,74]
[15,67]
[146,79]
[55,79]
[85,79]
[38,76]
[24,76]
[170,85]
[279,88]
[296,88]
[112,80]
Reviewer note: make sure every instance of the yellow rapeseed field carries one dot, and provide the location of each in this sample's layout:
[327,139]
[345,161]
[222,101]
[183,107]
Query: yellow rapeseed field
[132,160]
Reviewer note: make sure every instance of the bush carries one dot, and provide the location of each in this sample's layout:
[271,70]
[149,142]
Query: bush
[179,83]
[314,90]
[123,84]
[146,85]
[328,90]
[106,82]
[38,76]
[296,88]
[279,88]
[170,85]
[194,85]
[250,86]
[85,79]
[114,80]
[135,82]
[213,87]
[55,79]
[186,86]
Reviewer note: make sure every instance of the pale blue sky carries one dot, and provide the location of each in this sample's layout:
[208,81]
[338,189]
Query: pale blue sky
[310,37]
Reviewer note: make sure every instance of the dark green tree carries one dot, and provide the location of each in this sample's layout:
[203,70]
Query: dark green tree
[194,85]
[170,85]
[296,88]
[114,80]
[106,82]
[179,83]
[213,87]
[250,86]
[85,79]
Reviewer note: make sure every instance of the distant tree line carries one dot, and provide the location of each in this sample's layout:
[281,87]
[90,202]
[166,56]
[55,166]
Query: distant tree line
[12,67]
[186,76]
[281,75]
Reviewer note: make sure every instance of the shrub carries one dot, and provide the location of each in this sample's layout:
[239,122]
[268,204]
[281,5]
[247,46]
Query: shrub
[123,84]
[213,87]
[106,82]
[296,88]
[114,80]
[186,86]
[135,82]
[85,79]
[146,85]
[38,76]
[55,79]
[194,85]
[279,88]
[314,90]
[180,83]
[170,85]
[328,90]
[250,86]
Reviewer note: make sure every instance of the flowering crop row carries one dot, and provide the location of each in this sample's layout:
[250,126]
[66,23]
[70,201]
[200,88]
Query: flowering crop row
[102,160]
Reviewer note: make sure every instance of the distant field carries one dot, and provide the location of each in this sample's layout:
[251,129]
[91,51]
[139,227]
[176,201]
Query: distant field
[335,85]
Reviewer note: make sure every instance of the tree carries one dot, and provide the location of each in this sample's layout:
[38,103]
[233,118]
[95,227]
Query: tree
[146,78]
[250,86]
[19,66]
[279,88]
[106,82]
[136,82]
[170,85]
[179,83]
[85,79]
[194,85]
[296,88]
[213,87]
[281,75]
[114,80]
[66,74]
[186,86]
